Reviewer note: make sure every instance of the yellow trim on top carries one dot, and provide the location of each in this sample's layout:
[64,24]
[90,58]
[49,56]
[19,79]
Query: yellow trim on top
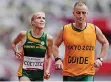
[33,39]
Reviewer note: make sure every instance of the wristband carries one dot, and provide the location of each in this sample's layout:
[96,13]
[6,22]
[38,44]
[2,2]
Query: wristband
[101,59]
[56,59]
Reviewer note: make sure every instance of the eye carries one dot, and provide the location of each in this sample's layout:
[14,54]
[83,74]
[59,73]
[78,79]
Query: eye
[78,12]
[83,12]
[44,18]
[38,17]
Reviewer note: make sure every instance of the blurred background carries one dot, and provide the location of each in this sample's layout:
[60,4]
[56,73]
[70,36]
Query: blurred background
[15,17]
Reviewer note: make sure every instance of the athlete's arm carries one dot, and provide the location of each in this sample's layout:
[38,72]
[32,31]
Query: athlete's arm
[20,38]
[57,43]
[104,42]
[49,56]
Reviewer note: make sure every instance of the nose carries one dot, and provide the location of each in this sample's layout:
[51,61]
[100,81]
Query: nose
[81,15]
[42,20]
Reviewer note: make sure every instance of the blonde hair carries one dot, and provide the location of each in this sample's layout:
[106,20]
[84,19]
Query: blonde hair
[35,14]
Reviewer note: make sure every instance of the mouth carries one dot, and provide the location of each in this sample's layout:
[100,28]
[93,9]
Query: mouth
[80,19]
[42,23]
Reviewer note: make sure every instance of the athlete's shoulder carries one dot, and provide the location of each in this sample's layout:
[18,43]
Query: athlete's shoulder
[20,36]
[91,25]
[68,25]
[22,33]
[49,37]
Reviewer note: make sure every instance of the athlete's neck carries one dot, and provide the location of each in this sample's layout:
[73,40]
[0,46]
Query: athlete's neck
[80,25]
[36,32]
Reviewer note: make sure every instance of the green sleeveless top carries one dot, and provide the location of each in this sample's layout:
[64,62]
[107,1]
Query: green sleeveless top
[34,51]
[35,47]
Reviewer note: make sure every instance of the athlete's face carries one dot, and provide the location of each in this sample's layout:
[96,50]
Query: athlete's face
[80,13]
[39,20]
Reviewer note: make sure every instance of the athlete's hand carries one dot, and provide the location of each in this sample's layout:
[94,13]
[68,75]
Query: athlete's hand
[46,74]
[18,55]
[58,65]
[98,63]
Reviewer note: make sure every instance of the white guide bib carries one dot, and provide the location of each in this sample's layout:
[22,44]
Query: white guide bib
[33,63]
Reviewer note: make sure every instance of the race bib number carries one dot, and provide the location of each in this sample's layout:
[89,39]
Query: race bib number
[33,63]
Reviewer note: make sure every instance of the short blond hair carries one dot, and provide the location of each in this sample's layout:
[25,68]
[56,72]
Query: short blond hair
[35,14]
[79,3]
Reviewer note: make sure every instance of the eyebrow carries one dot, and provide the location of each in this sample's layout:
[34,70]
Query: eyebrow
[40,17]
